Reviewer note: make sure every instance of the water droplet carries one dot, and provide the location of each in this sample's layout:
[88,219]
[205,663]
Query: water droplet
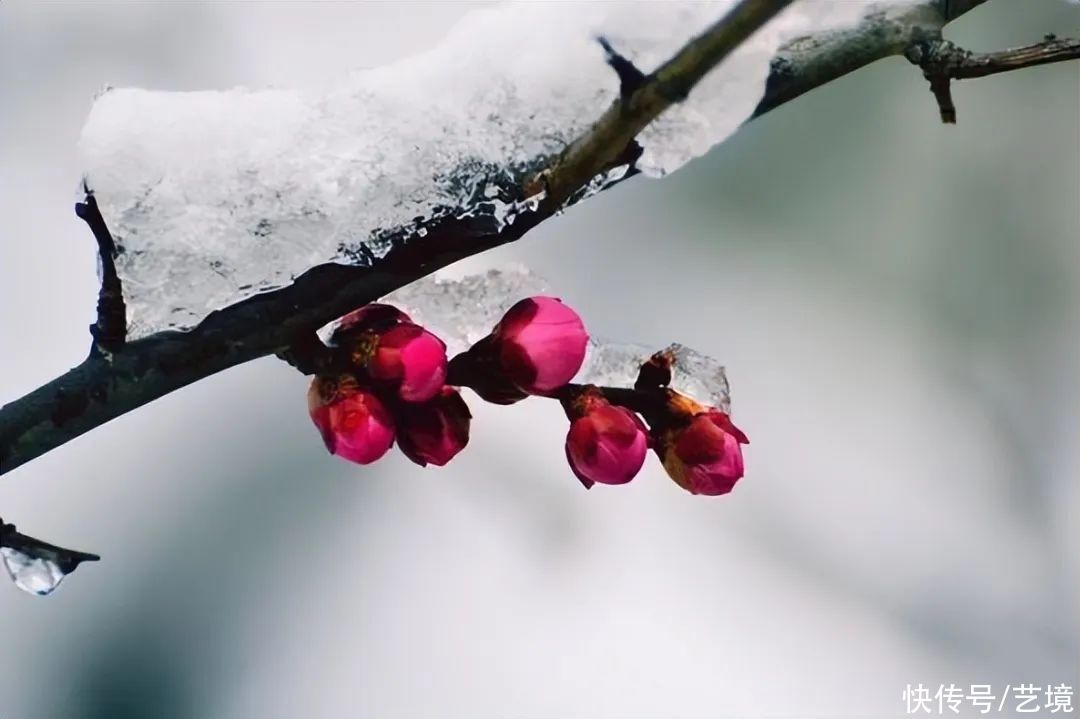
[32,574]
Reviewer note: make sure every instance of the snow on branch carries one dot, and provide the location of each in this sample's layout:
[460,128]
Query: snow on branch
[244,221]
[214,197]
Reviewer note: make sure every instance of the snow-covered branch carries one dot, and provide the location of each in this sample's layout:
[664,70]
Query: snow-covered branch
[809,62]
[320,196]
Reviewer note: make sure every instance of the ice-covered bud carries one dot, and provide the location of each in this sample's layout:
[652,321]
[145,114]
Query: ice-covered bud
[433,432]
[606,443]
[407,356]
[353,423]
[703,455]
[541,344]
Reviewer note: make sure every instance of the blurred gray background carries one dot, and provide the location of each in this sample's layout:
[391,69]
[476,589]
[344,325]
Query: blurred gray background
[896,301]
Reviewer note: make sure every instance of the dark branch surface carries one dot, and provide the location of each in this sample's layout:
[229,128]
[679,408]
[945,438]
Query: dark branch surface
[107,385]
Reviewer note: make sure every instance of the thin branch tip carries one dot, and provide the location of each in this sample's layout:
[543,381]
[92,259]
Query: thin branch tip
[630,77]
[66,559]
[943,61]
[109,332]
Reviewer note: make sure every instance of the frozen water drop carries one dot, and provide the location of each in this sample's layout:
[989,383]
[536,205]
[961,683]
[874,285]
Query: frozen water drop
[35,566]
[35,575]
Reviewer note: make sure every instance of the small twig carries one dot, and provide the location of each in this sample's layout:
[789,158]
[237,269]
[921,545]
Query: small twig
[110,330]
[942,61]
[1051,49]
[942,89]
[630,77]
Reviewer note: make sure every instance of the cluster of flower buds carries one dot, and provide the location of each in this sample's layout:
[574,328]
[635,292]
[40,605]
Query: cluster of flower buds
[395,382]
[393,387]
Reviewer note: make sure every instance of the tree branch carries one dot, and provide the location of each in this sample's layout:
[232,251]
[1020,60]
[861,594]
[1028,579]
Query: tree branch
[942,62]
[670,83]
[806,63]
[103,388]
[106,386]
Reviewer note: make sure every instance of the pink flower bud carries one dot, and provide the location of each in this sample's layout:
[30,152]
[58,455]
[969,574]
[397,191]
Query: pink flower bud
[541,344]
[353,422]
[410,357]
[606,443]
[704,456]
[435,431]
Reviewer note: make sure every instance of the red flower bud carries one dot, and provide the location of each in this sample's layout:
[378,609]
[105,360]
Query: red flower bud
[606,443]
[541,344]
[703,456]
[409,356]
[353,422]
[434,432]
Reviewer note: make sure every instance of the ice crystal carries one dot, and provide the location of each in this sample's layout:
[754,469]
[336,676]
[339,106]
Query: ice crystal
[693,373]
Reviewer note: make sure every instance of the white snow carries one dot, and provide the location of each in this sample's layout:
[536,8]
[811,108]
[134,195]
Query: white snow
[214,196]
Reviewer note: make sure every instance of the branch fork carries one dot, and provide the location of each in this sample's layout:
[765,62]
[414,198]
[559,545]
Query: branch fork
[943,61]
